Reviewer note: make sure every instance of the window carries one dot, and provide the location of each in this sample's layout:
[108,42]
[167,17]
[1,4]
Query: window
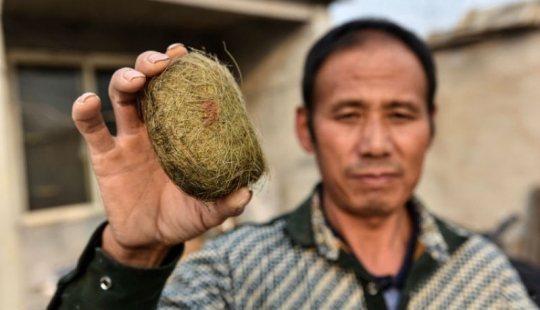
[55,172]
[56,165]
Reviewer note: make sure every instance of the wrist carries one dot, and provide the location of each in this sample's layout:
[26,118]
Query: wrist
[140,257]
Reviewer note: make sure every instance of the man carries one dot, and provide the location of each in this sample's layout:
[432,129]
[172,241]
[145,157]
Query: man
[361,240]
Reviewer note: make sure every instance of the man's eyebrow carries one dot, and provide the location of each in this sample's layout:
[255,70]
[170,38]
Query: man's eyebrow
[349,104]
[408,105]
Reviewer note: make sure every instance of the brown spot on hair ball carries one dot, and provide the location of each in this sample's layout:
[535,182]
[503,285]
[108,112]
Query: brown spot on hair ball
[198,126]
[210,112]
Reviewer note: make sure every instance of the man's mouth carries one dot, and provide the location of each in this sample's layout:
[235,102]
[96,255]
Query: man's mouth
[375,179]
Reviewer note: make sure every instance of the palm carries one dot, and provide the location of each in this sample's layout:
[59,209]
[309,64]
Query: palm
[143,206]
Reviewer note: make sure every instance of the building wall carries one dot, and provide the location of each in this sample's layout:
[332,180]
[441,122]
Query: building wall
[41,248]
[485,159]
[273,92]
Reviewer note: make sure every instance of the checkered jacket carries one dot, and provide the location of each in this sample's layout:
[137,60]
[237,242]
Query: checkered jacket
[295,262]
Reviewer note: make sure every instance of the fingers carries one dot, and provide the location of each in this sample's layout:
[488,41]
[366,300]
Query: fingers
[126,83]
[123,89]
[152,63]
[216,213]
[89,121]
[176,50]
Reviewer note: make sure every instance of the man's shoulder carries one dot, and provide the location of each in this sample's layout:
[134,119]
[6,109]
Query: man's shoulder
[475,269]
[480,248]
[459,236]
[472,251]
[462,241]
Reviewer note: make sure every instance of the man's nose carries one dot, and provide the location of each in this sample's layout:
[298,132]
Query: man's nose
[375,139]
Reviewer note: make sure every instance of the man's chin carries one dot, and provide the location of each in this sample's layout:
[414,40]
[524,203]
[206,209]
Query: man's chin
[372,208]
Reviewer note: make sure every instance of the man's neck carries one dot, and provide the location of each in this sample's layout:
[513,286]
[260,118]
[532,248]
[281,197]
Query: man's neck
[380,243]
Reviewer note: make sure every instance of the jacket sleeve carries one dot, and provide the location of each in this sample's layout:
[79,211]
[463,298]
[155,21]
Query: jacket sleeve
[100,283]
[201,281]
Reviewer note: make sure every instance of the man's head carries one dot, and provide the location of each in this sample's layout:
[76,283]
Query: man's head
[368,114]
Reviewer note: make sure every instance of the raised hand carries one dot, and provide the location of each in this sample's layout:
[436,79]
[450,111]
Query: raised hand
[147,213]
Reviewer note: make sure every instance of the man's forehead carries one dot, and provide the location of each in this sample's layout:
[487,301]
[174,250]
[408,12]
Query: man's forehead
[381,59]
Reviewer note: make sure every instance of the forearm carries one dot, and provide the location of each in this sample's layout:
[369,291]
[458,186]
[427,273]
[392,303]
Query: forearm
[100,282]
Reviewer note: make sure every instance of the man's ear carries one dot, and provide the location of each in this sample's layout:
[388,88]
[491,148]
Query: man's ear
[432,117]
[302,129]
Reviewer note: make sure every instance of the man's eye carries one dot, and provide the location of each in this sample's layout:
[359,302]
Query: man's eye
[348,116]
[401,116]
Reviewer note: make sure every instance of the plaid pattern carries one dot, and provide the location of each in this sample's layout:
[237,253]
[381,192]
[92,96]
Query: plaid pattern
[477,276]
[265,267]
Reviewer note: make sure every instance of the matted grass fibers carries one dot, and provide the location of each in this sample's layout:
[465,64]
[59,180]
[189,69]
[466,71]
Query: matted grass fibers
[198,126]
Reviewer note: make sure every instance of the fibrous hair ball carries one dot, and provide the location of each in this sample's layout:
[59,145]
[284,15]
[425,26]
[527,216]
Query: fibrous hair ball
[198,126]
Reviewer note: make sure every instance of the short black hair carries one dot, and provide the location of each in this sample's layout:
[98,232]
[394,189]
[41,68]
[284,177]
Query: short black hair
[343,37]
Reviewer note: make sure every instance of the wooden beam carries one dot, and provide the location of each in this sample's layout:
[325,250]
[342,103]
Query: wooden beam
[286,11]
[11,269]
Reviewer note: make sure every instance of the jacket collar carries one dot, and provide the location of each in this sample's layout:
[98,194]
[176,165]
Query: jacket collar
[307,227]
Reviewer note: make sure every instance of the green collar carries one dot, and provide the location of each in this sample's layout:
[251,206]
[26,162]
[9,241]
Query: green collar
[439,238]
[298,224]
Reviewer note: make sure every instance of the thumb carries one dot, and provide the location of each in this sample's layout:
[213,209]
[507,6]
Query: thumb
[234,204]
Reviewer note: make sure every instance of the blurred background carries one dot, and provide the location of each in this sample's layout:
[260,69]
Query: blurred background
[483,171]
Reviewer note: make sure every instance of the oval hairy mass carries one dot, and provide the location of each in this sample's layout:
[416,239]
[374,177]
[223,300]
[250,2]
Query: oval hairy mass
[198,126]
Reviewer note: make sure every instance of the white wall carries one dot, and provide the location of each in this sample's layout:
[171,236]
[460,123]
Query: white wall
[486,155]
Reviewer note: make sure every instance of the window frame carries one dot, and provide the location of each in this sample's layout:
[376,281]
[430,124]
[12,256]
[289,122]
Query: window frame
[89,64]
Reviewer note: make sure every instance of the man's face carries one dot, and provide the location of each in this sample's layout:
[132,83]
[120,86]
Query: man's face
[371,127]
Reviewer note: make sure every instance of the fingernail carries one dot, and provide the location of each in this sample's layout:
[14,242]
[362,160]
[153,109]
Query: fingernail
[156,57]
[175,45]
[129,75]
[85,96]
